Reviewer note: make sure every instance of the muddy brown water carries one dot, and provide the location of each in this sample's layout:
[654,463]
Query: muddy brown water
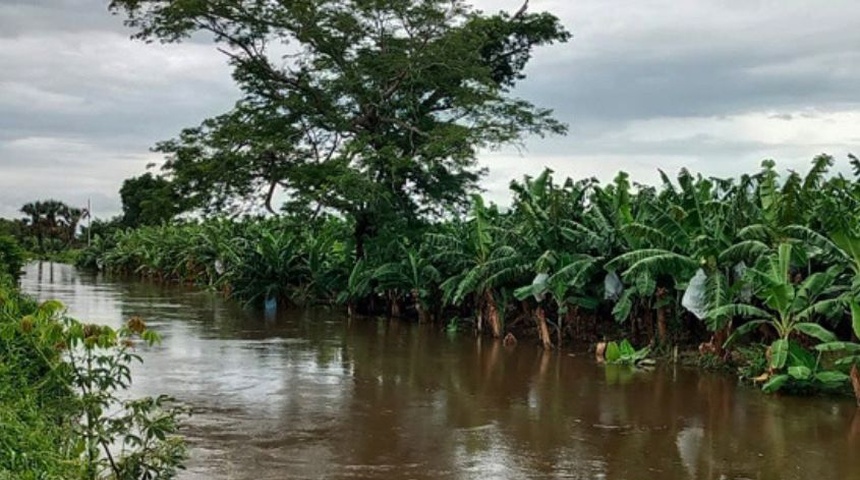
[308,394]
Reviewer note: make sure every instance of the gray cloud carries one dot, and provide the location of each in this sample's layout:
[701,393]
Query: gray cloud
[714,85]
[81,104]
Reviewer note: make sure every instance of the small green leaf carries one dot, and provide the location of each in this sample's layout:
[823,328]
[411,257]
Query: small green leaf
[778,353]
[641,354]
[775,383]
[799,356]
[838,347]
[51,307]
[855,317]
[800,372]
[627,349]
[817,331]
[613,353]
[848,361]
[524,292]
[743,330]
[832,377]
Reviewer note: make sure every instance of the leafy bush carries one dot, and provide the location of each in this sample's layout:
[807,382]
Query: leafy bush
[625,354]
[59,386]
[804,372]
[11,257]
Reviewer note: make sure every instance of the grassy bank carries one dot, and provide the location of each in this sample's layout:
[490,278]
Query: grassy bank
[60,415]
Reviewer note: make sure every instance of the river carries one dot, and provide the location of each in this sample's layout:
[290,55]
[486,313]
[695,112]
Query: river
[309,394]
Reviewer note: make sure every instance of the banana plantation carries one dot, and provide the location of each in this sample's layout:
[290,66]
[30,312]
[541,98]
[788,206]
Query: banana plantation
[700,262]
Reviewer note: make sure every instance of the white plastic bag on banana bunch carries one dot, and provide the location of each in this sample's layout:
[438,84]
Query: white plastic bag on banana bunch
[739,270]
[613,286]
[539,286]
[694,299]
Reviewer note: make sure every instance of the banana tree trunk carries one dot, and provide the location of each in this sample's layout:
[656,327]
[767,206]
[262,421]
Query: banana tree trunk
[423,313]
[493,314]
[394,302]
[855,381]
[560,329]
[720,337]
[543,331]
[646,323]
[662,328]
[570,321]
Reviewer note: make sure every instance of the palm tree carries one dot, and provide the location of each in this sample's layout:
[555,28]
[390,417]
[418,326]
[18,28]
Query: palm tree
[52,220]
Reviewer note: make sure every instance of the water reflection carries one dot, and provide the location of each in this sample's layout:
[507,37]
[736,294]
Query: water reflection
[311,395]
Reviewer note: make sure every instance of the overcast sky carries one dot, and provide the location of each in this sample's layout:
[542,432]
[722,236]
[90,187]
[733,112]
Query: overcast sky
[715,86]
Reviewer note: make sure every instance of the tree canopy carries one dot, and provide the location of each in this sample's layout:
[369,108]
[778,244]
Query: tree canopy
[374,109]
[148,200]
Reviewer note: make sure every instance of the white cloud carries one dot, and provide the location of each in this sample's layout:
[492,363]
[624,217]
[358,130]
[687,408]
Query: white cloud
[63,168]
[17,95]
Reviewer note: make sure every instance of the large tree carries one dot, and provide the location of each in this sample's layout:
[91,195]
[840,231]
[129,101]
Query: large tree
[148,200]
[371,108]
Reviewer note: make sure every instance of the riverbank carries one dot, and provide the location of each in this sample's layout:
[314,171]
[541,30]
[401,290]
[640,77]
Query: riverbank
[61,415]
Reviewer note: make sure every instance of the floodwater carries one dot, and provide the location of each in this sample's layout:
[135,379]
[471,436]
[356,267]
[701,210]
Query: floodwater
[310,395]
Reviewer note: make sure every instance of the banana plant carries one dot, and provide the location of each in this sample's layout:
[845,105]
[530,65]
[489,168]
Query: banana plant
[545,215]
[271,265]
[357,287]
[787,308]
[483,264]
[566,285]
[413,274]
[690,244]
[840,249]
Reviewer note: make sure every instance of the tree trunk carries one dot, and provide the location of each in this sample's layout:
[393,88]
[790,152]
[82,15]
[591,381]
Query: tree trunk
[570,320]
[647,324]
[662,328]
[394,302]
[359,245]
[493,314]
[543,331]
[423,314]
[362,228]
[855,381]
[719,339]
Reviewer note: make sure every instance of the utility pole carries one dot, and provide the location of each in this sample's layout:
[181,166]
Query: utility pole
[89,221]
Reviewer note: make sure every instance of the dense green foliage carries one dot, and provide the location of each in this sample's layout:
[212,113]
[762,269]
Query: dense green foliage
[690,261]
[148,200]
[59,386]
[11,257]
